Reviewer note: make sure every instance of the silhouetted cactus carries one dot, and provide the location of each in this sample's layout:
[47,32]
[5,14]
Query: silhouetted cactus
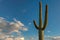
[41,27]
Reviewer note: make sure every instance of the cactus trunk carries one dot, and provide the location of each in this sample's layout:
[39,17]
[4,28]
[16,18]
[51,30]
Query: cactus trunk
[41,35]
[41,26]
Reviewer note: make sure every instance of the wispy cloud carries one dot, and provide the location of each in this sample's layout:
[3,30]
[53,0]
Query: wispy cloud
[2,36]
[52,38]
[8,27]
[11,38]
[29,23]
[48,31]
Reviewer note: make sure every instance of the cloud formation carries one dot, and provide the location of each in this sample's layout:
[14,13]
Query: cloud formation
[48,31]
[2,36]
[52,38]
[18,38]
[9,27]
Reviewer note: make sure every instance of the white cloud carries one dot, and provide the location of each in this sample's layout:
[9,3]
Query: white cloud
[31,38]
[18,38]
[25,29]
[52,38]
[9,39]
[18,22]
[48,31]
[29,23]
[2,36]
[14,38]
[57,37]
[8,27]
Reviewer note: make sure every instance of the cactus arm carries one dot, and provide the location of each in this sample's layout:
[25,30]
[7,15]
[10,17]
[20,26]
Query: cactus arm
[46,18]
[40,14]
[35,24]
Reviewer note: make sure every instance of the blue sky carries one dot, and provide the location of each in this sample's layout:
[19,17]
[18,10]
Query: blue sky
[28,10]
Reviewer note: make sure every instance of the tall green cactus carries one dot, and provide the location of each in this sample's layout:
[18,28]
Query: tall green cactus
[41,26]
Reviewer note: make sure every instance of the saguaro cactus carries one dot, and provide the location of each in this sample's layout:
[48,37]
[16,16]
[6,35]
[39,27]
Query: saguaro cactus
[41,27]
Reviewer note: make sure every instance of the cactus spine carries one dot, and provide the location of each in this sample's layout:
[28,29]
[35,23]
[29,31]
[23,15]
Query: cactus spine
[41,27]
